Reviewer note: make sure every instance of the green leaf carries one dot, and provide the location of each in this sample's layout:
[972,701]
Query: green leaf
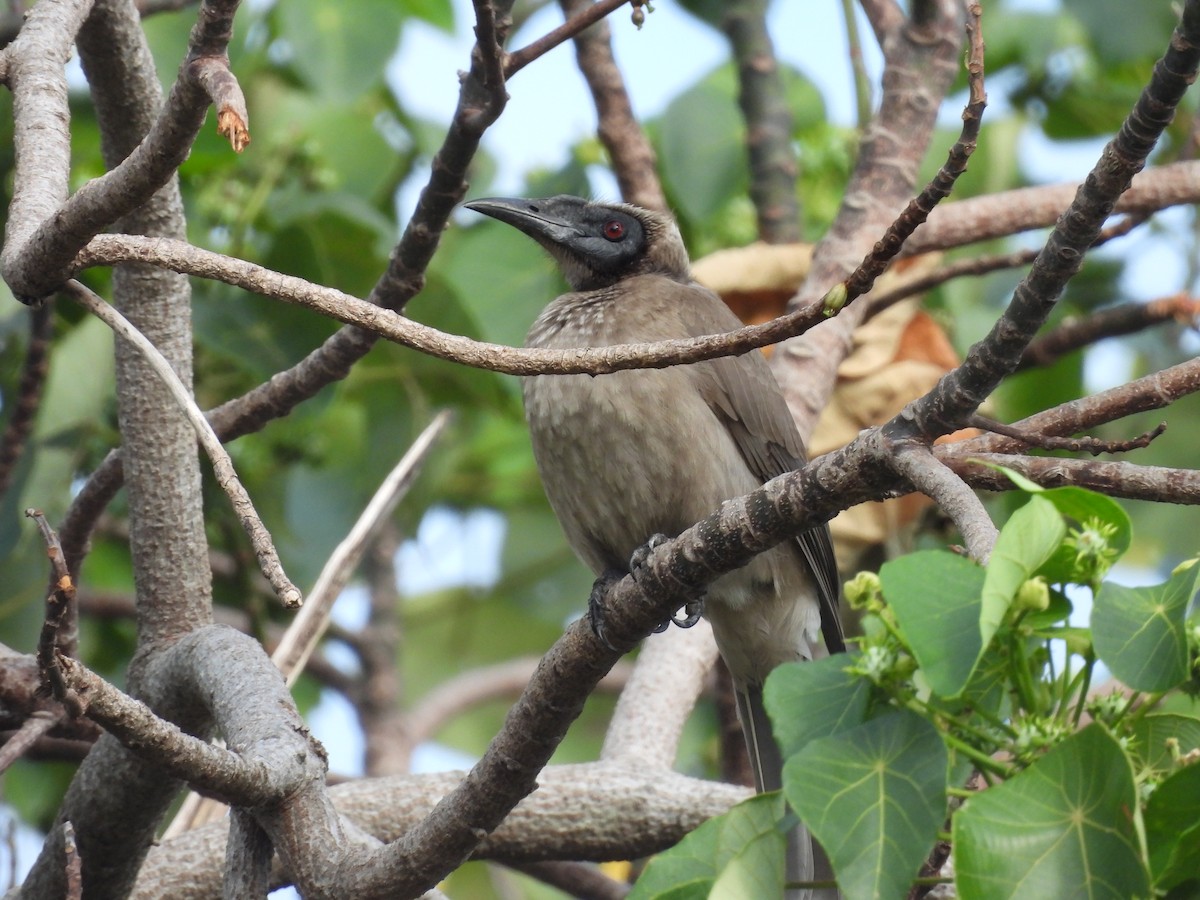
[739,851]
[936,598]
[813,700]
[1063,828]
[1125,31]
[438,13]
[874,797]
[1079,505]
[1173,828]
[1028,539]
[1139,632]
[340,49]
[703,147]
[1151,734]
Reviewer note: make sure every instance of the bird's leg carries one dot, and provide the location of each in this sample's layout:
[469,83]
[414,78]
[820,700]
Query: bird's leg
[693,609]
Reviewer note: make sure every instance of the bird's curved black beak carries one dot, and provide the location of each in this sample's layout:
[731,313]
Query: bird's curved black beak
[536,218]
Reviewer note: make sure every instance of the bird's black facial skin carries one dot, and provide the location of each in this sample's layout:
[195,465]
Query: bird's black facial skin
[595,245]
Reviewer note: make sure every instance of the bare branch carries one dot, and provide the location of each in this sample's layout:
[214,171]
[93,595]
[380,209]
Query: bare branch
[1011,212]
[268,558]
[60,611]
[983,265]
[649,719]
[631,155]
[920,59]
[1116,479]
[38,254]
[210,768]
[26,736]
[768,119]
[469,689]
[581,880]
[959,393]
[1125,318]
[591,811]
[1094,446]
[918,209]
[932,478]
[29,391]
[1154,391]
[309,626]
[519,59]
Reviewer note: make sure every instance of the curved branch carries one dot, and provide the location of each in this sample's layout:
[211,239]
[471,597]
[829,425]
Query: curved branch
[932,478]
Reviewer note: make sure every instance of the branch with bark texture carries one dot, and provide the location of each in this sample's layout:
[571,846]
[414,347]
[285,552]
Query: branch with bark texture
[631,156]
[45,232]
[227,478]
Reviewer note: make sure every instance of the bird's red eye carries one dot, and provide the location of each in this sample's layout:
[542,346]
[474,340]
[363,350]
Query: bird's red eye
[614,230]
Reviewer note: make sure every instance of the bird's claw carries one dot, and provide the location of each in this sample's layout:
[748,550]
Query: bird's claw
[638,558]
[595,604]
[693,609]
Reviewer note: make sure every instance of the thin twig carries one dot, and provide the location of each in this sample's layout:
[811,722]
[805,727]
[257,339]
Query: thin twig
[309,626]
[31,730]
[1125,318]
[862,83]
[260,538]
[24,405]
[59,601]
[1154,391]
[1094,446]
[519,59]
[984,265]
[918,209]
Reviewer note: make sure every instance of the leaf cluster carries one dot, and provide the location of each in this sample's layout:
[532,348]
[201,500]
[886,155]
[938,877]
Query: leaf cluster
[969,700]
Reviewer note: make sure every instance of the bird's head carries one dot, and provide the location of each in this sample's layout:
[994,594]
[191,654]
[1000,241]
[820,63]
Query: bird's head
[595,244]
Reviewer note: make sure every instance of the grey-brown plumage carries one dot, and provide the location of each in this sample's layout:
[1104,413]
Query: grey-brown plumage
[637,453]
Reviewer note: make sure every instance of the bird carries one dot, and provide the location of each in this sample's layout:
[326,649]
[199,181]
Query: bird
[630,457]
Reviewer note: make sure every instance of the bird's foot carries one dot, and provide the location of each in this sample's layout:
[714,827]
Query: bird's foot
[595,604]
[692,610]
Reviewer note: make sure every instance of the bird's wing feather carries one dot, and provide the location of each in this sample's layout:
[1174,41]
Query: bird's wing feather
[744,394]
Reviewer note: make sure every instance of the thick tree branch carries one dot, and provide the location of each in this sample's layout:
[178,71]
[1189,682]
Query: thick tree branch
[761,96]
[924,472]
[592,811]
[920,59]
[1011,212]
[649,719]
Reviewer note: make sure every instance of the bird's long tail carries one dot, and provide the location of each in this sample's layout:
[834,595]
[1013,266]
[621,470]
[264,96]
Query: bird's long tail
[806,860]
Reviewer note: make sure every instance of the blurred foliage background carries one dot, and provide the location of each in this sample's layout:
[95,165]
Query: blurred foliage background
[316,196]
